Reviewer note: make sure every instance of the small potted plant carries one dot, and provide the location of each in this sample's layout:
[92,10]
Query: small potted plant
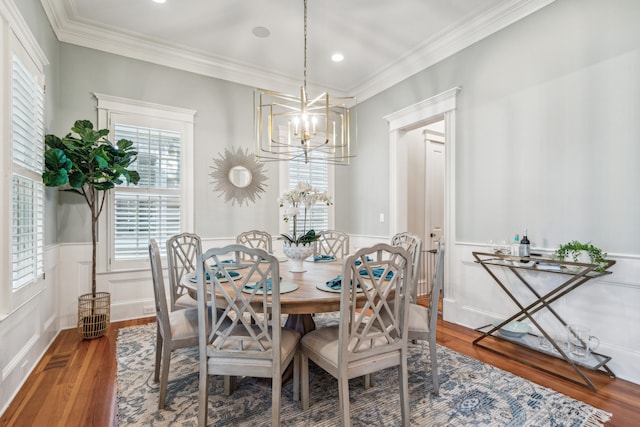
[89,165]
[583,252]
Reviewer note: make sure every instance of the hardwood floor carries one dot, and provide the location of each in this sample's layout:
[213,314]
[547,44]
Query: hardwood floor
[75,382]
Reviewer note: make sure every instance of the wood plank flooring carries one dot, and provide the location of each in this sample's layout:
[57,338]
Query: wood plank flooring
[75,382]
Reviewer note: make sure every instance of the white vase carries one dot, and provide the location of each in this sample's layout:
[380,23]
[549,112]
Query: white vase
[297,253]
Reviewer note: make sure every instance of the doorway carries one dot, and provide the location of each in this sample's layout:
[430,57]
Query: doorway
[402,123]
[425,194]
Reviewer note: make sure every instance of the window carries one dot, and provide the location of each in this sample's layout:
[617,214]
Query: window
[152,208]
[160,205]
[22,80]
[320,175]
[27,190]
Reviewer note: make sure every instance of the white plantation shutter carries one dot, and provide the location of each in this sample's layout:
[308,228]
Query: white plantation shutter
[27,190]
[150,209]
[317,174]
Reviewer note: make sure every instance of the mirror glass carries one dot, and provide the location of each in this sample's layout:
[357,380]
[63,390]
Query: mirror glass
[240,176]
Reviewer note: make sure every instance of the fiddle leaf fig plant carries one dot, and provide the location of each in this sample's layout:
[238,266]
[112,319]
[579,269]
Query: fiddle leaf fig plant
[571,251]
[90,165]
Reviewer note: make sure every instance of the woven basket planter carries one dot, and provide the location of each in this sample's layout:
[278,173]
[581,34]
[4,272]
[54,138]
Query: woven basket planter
[94,314]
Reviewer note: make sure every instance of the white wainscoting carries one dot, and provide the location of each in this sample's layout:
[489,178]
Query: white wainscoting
[27,332]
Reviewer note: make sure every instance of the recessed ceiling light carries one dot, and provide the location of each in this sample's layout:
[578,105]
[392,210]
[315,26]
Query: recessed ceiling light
[261,32]
[337,57]
[159,1]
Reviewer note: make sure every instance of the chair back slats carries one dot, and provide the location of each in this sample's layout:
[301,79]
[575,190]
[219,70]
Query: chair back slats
[332,242]
[383,272]
[182,256]
[241,299]
[256,239]
[413,244]
[162,310]
[437,283]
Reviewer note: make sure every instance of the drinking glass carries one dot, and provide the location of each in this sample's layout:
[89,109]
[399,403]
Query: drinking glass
[581,342]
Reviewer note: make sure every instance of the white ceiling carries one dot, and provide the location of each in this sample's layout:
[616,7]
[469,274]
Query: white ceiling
[383,41]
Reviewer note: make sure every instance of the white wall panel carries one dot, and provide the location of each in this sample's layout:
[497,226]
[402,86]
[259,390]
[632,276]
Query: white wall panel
[27,332]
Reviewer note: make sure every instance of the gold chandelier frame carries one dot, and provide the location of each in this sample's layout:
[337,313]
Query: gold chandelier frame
[306,130]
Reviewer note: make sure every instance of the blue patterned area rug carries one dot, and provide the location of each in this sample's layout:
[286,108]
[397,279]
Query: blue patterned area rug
[472,393]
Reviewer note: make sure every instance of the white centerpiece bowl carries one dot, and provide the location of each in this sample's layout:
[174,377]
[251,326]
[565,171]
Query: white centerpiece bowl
[297,253]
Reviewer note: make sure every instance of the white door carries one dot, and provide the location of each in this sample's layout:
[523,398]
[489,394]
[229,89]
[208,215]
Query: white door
[434,191]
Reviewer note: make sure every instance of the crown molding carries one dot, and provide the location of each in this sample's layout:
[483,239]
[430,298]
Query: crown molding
[447,43]
[69,28]
[11,14]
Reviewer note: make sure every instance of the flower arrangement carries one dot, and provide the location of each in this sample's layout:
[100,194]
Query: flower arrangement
[302,197]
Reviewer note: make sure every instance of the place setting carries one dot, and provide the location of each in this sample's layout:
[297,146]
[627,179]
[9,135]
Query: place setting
[219,275]
[321,258]
[335,285]
[285,287]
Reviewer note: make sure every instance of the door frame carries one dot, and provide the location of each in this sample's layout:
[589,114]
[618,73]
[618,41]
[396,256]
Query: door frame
[407,119]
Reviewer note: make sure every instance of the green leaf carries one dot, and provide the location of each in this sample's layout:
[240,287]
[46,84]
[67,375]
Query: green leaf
[55,178]
[124,145]
[57,166]
[287,238]
[53,141]
[54,158]
[77,179]
[102,162]
[104,186]
[134,177]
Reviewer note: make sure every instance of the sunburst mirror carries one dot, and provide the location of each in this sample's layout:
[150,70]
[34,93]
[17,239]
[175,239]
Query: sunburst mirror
[238,176]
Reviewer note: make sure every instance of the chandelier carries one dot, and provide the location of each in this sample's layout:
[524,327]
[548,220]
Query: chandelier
[303,129]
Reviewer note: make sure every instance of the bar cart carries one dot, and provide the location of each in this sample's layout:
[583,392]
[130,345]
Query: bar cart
[576,275]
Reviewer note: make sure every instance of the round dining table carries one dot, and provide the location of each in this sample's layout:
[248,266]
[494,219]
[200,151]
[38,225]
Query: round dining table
[303,302]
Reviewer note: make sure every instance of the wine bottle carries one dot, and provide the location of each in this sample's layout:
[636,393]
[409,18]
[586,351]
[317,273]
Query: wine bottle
[524,245]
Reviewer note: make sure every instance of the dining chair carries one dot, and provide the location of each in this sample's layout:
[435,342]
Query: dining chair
[175,329]
[182,255]
[255,239]
[371,335]
[423,320]
[251,345]
[333,243]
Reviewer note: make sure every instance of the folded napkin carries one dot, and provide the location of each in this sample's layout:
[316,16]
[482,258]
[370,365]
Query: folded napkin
[256,284]
[231,274]
[377,272]
[317,258]
[336,283]
[219,275]
[358,262]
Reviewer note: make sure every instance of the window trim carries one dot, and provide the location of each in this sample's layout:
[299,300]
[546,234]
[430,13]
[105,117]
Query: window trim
[112,106]
[15,37]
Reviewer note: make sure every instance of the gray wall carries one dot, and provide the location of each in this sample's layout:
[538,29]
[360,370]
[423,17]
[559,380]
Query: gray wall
[547,130]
